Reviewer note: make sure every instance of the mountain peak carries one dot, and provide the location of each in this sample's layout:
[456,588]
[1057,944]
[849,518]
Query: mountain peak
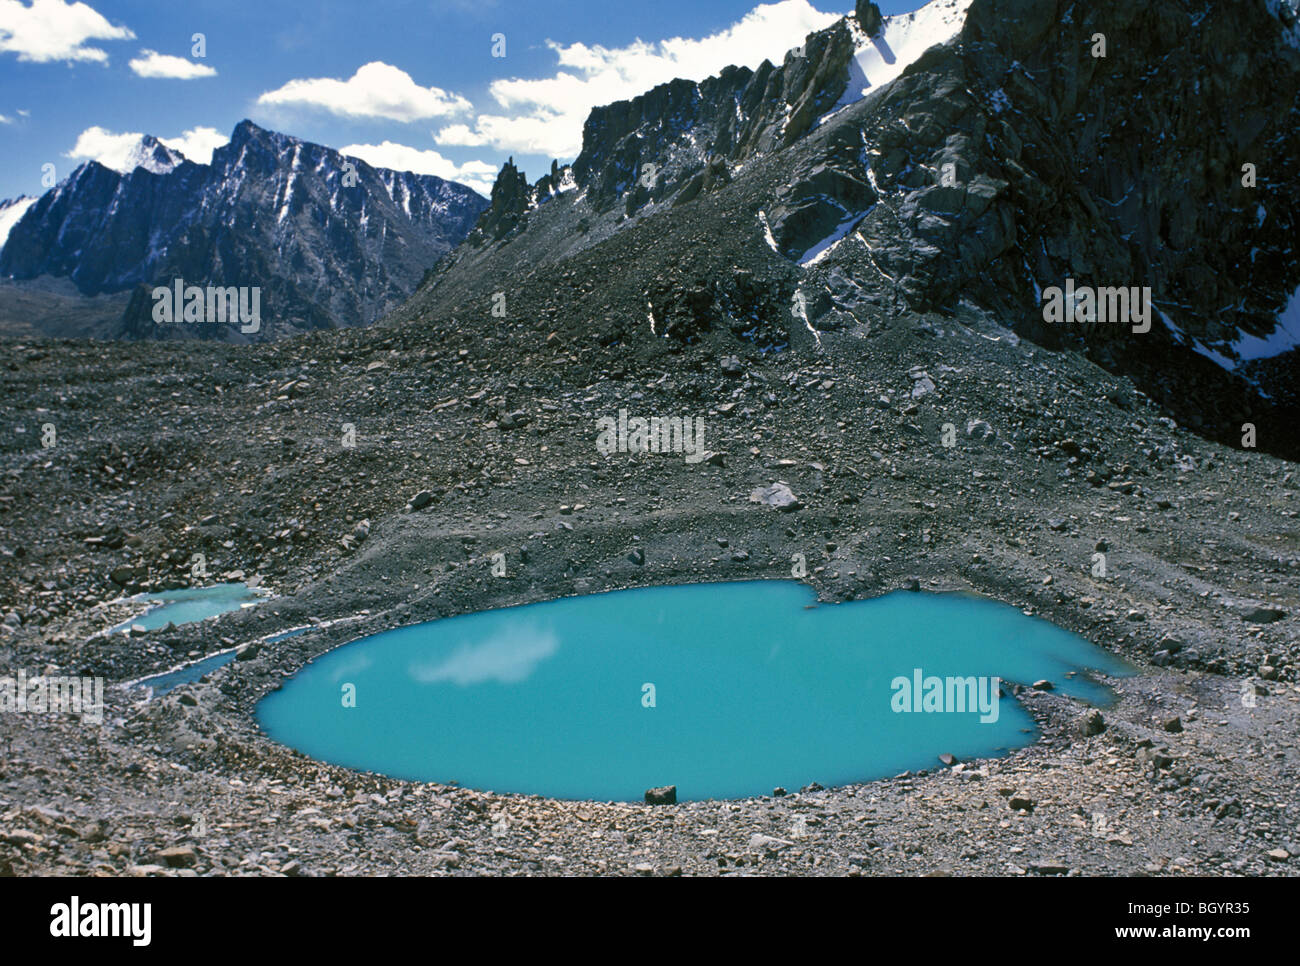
[246,131]
[152,155]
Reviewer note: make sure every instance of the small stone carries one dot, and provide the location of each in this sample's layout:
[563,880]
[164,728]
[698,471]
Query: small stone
[948,759]
[1159,759]
[1090,723]
[94,832]
[1278,855]
[637,556]
[778,495]
[766,843]
[1262,615]
[515,420]
[1172,725]
[126,574]
[421,500]
[179,857]
[1056,867]
[1043,685]
[1020,802]
[665,795]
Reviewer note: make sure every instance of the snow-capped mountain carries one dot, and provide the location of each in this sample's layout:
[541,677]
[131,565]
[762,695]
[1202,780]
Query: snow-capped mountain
[886,46]
[148,153]
[328,240]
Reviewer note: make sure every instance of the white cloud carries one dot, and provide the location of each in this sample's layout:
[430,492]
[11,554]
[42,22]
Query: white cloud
[5,119]
[109,149]
[507,658]
[478,175]
[119,151]
[51,30]
[545,116]
[197,143]
[376,90]
[150,63]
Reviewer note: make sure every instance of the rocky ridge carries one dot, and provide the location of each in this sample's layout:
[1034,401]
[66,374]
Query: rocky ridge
[329,240]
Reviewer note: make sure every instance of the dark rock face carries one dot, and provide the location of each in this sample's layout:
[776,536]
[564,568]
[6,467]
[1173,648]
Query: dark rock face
[511,197]
[1124,170]
[824,192]
[671,137]
[868,17]
[330,241]
[1076,143]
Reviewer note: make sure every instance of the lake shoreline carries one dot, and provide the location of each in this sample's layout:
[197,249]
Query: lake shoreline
[1198,541]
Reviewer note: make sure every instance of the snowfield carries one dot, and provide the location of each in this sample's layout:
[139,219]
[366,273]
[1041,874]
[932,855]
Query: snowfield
[10,213]
[903,38]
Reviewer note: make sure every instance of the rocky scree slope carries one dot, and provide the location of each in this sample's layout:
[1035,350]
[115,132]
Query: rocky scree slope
[785,210]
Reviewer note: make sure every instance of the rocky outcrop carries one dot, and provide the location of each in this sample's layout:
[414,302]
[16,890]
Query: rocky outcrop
[511,198]
[666,140]
[868,17]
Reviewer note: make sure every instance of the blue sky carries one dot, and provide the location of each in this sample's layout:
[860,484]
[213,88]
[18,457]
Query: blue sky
[406,84]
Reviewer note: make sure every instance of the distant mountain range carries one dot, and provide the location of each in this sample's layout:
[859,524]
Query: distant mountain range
[329,241]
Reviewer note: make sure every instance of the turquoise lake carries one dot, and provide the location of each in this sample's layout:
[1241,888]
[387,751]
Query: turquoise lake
[190,604]
[725,690]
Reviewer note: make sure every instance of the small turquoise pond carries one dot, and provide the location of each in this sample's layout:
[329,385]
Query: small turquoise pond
[189,673]
[725,690]
[162,683]
[191,604]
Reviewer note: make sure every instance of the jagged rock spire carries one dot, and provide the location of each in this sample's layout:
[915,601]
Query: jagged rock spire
[868,16]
